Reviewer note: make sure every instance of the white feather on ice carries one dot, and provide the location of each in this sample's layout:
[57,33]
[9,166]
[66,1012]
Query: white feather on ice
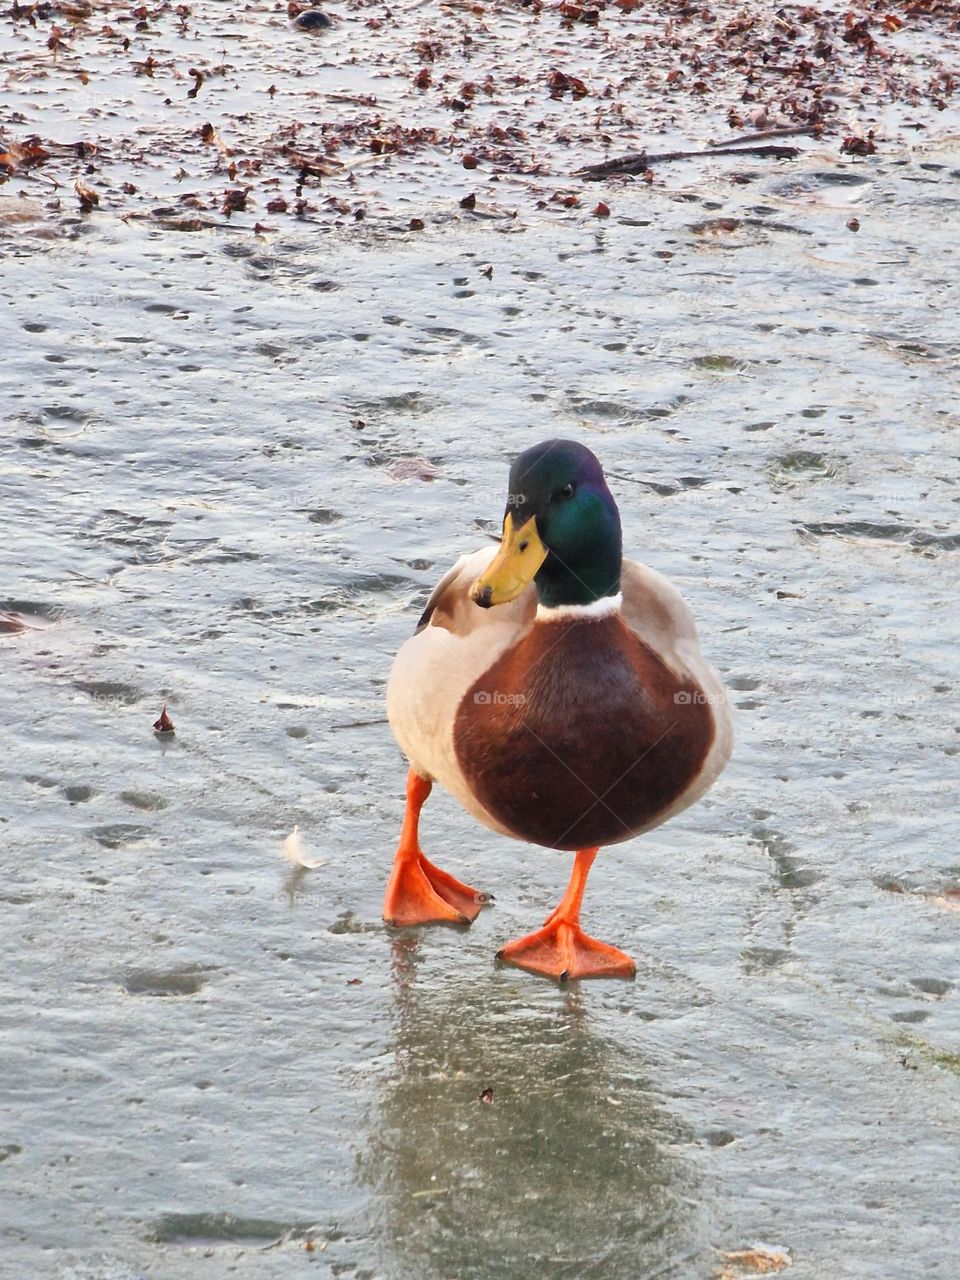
[293,852]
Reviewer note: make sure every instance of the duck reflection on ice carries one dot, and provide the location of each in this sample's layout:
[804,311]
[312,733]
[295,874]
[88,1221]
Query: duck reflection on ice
[573,1169]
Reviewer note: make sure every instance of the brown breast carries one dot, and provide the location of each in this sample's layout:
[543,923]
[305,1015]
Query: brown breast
[580,735]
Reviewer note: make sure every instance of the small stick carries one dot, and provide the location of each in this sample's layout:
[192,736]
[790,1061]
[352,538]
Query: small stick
[787,131]
[640,161]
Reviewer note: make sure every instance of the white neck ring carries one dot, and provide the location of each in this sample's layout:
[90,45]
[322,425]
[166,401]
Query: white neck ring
[605,607]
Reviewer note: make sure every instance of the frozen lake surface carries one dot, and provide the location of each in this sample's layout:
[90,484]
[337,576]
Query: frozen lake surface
[233,465]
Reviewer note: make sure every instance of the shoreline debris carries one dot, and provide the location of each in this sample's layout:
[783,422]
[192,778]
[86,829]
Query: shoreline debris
[638,162]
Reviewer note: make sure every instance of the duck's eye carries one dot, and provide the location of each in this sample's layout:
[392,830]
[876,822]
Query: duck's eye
[564,494]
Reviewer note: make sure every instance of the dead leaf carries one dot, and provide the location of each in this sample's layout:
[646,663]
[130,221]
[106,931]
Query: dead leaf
[211,138]
[413,469]
[89,199]
[164,724]
[56,41]
[22,155]
[752,1262]
[571,13]
[854,145]
[235,200]
[559,83]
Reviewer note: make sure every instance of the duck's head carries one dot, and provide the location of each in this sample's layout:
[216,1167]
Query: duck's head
[561,530]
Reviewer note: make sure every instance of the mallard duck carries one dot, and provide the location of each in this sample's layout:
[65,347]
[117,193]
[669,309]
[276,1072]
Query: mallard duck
[558,692]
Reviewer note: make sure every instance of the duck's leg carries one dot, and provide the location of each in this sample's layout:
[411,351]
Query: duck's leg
[418,892]
[561,949]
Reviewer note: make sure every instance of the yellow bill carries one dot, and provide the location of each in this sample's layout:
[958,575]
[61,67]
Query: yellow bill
[514,566]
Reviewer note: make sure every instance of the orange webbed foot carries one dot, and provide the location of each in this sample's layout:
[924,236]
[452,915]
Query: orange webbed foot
[467,900]
[420,893]
[562,950]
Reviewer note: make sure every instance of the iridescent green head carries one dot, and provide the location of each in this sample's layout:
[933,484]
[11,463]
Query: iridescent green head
[561,530]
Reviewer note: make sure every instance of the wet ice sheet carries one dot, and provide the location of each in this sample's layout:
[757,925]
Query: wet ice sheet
[204,502]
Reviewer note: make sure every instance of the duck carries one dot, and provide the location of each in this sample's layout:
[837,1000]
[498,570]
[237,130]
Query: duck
[557,691]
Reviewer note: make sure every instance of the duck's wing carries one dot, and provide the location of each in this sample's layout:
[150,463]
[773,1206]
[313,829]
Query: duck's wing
[656,612]
[450,605]
[447,594]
